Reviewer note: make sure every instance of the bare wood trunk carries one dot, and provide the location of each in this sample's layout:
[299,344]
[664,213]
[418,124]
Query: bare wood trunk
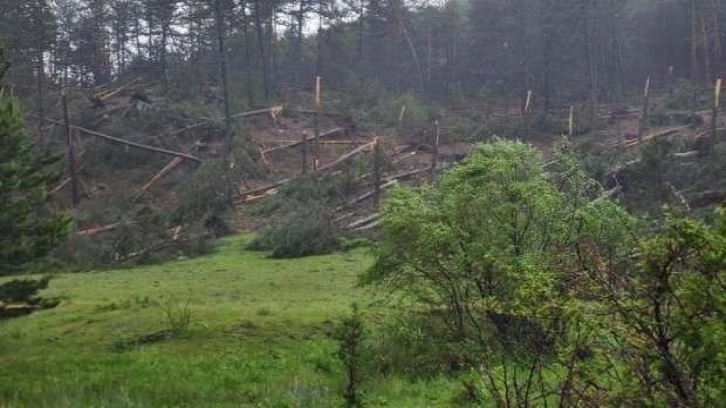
[71,149]
[714,114]
[706,50]
[377,173]
[591,66]
[571,122]
[347,156]
[41,105]
[299,142]
[643,123]
[304,152]
[316,119]
[261,45]
[363,221]
[717,50]
[430,60]
[228,157]
[164,171]
[694,40]
[94,231]
[435,156]
[526,115]
[248,58]
[416,60]
[127,143]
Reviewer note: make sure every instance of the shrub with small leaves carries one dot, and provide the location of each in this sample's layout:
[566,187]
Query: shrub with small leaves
[350,336]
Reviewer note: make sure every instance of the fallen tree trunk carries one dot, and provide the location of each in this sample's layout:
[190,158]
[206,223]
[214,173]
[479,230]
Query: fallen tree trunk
[93,231]
[169,167]
[102,96]
[365,196]
[368,226]
[708,198]
[313,112]
[708,133]
[363,221]
[686,155]
[260,192]
[131,144]
[665,132]
[63,183]
[348,155]
[300,142]
[273,110]
[404,157]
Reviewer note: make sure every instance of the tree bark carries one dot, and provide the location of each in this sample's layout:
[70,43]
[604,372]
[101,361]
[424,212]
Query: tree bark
[435,156]
[228,157]
[127,143]
[71,149]
[261,45]
[304,152]
[377,173]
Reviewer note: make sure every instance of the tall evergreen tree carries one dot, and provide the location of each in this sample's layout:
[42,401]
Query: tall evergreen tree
[27,231]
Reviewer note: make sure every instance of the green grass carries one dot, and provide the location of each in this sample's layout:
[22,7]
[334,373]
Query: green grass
[260,335]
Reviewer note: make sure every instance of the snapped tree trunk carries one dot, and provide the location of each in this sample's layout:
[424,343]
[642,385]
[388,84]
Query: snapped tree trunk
[71,148]
[261,45]
[228,157]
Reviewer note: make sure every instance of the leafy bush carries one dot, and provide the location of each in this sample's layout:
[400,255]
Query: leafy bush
[177,317]
[205,195]
[501,230]
[20,296]
[547,291]
[350,336]
[660,118]
[687,96]
[298,219]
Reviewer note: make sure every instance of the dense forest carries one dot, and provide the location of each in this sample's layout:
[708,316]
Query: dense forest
[563,50]
[302,203]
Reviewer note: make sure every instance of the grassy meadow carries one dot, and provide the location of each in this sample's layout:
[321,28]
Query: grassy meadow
[260,335]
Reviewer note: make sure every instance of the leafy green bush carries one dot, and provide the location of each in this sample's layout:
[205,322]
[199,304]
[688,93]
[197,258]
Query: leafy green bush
[660,118]
[298,219]
[20,296]
[687,96]
[207,196]
[500,228]
[350,336]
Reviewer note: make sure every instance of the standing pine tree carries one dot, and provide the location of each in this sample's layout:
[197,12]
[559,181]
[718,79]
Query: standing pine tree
[27,230]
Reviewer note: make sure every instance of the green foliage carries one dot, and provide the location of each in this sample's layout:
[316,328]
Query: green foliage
[177,317]
[4,64]
[535,282]
[298,219]
[659,118]
[22,290]
[27,231]
[686,96]
[233,357]
[20,296]
[204,196]
[668,314]
[350,336]
[504,234]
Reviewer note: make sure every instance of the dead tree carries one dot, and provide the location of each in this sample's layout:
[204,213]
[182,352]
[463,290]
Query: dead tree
[435,156]
[228,159]
[377,172]
[304,152]
[644,115]
[71,149]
